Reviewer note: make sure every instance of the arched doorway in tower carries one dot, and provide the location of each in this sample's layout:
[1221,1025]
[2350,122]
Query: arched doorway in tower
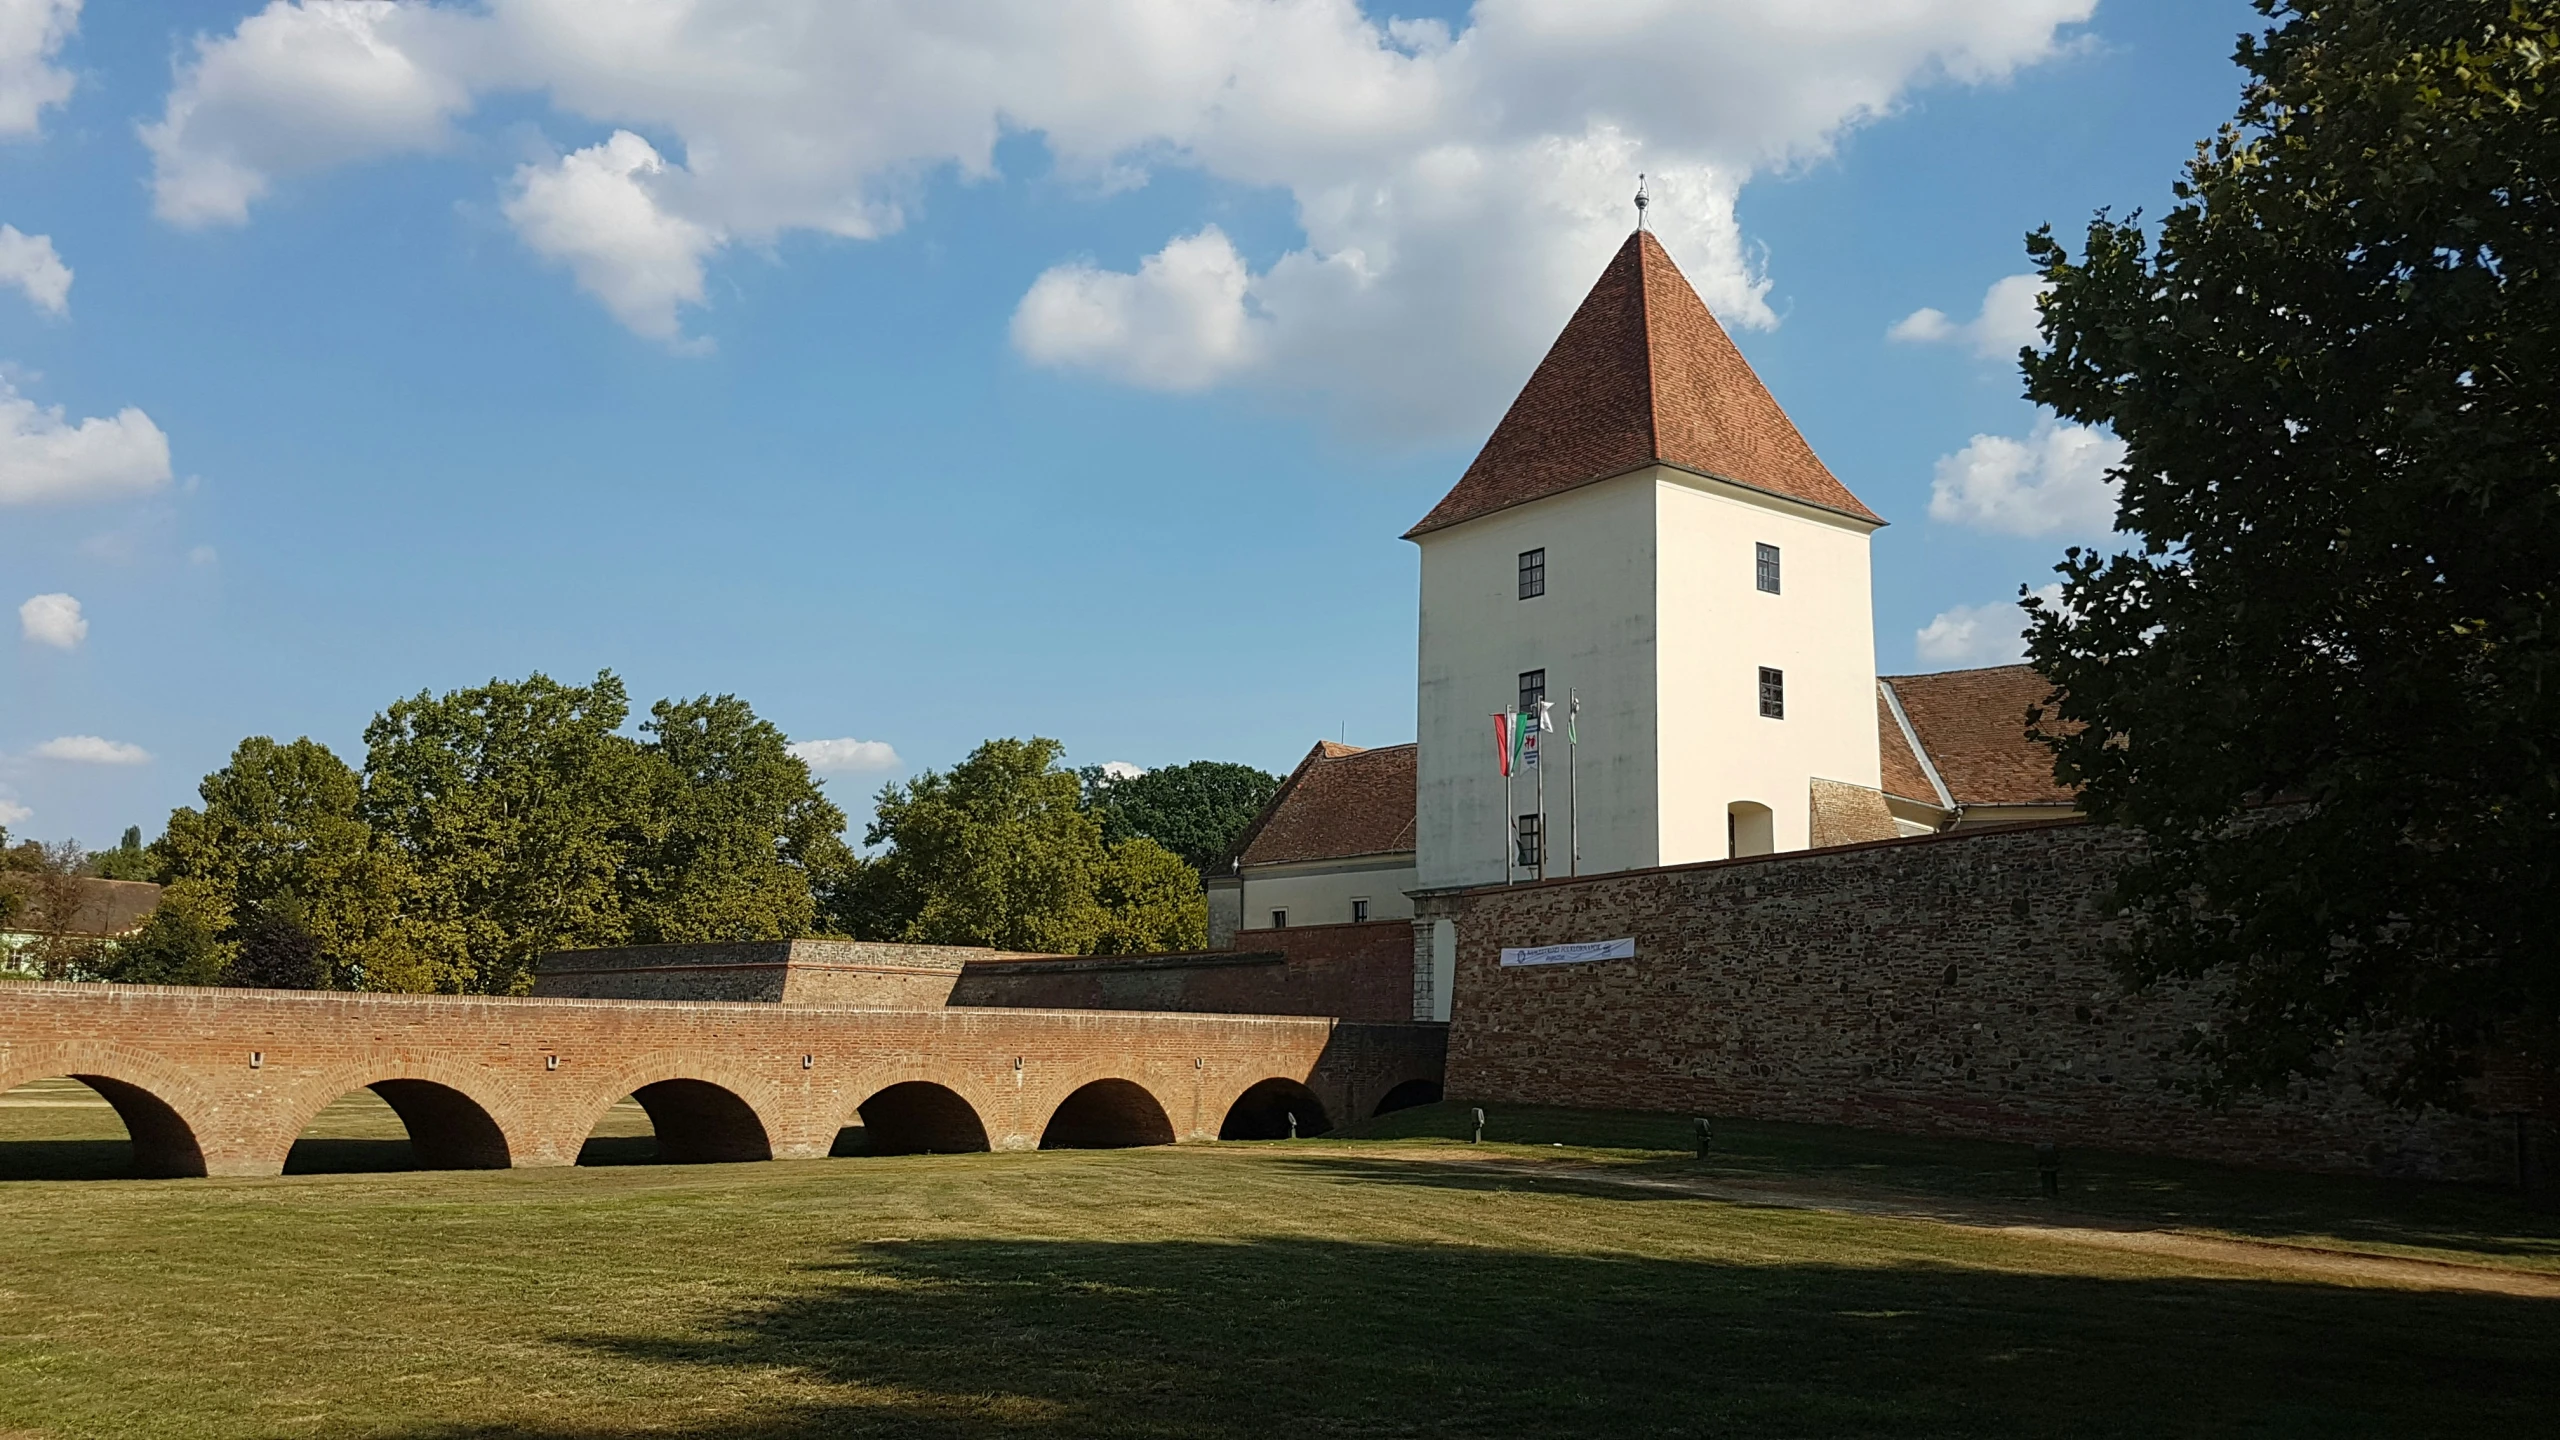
[1274,1110]
[92,1127]
[1750,828]
[1408,1095]
[399,1125]
[677,1122]
[913,1117]
[1107,1115]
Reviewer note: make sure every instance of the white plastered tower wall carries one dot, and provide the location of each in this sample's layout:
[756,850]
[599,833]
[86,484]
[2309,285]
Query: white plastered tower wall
[1592,631]
[1717,629]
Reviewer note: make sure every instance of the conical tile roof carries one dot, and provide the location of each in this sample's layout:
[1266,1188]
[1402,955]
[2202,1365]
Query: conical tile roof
[1642,374]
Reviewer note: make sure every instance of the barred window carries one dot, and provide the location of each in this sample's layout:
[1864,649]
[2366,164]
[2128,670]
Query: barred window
[1531,843]
[1769,568]
[1533,573]
[1533,688]
[1773,693]
[1359,910]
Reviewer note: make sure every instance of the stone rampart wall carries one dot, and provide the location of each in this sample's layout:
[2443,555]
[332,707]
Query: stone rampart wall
[1949,984]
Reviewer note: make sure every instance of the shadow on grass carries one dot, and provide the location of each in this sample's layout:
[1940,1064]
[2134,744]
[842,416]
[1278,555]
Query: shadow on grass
[66,1159]
[2099,1188]
[1289,1337]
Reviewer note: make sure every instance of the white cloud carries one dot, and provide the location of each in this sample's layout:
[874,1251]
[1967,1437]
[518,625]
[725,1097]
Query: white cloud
[1455,193]
[28,262]
[13,813]
[202,555]
[32,33]
[301,87]
[839,757]
[597,210]
[1122,770]
[1971,635]
[53,620]
[1180,323]
[44,457]
[2006,324]
[2055,480]
[92,750]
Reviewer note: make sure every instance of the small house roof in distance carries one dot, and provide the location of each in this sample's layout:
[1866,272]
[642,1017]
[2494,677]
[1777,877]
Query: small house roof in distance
[1641,375]
[1341,802]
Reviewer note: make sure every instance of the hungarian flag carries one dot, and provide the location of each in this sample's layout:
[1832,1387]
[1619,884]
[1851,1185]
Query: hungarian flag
[1506,740]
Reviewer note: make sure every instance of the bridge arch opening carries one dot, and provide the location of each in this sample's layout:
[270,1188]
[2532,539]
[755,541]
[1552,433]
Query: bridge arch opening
[1408,1095]
[1107,1115]
[1274,1109]
[93,1127]
[914,1117]
[399,1125]
[678,1122]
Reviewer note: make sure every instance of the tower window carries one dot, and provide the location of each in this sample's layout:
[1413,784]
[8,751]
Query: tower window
[1531,843]
[1773,693]
[1533,573]
[1533,688]
[1769,568]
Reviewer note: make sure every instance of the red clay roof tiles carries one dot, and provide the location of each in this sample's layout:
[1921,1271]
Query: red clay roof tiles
[1973,723]
[1641,374]
[1341,801]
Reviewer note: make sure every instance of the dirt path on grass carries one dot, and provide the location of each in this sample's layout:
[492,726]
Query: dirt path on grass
[2308,1262]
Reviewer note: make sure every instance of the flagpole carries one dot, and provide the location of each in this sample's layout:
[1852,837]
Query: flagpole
[1546,841]
[1572,810]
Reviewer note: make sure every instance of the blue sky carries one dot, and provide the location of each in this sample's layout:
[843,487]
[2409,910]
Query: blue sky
[1068,369]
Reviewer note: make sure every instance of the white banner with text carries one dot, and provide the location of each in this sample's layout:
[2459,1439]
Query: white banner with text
[1569,954]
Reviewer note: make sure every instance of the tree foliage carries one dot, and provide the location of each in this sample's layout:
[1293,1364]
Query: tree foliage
[1001,851]
[738,835]
[282,835]
[516,804]
[1198,811]
[2333,373]
[494,823]
[173,947]
[130,860]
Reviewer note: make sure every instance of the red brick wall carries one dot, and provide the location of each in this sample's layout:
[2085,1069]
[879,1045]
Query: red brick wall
[1950,984]
[801,1072]
[1355,972]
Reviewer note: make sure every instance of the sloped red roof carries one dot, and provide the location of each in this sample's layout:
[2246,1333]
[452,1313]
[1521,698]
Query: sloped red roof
[1973,723]
[1642,373]
[1341,802]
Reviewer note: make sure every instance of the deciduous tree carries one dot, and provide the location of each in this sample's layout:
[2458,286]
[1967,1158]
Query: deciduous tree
[282,834]
[2333,373]
[1198,811]
[1001,851]
[737,829]
[515,805]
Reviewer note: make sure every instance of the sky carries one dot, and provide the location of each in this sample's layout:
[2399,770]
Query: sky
[924,373]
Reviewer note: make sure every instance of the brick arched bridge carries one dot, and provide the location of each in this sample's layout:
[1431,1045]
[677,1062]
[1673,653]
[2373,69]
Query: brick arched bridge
[221,1082]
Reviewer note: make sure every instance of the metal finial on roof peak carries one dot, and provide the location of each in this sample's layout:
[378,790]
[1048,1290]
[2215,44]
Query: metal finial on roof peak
[1640,200]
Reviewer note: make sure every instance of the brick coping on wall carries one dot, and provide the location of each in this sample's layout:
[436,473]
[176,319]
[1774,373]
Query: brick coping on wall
[1077,964]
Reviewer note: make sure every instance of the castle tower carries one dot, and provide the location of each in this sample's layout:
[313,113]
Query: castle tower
[1645,527]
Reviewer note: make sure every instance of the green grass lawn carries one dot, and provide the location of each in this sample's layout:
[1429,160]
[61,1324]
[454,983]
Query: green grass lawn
[1384,1283]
